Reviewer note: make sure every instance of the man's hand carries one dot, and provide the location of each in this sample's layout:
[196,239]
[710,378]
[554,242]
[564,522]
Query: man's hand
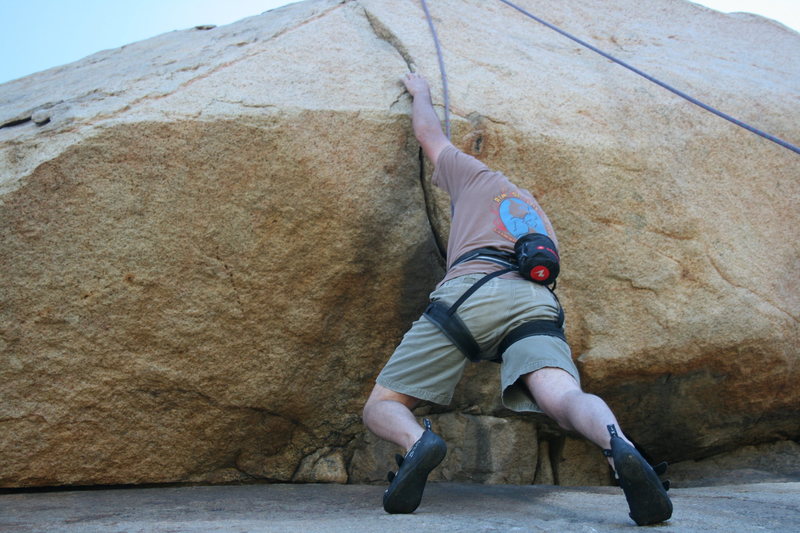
[427,128]
[416,84]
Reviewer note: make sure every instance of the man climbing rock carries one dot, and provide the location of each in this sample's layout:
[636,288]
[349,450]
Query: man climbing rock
[509,316]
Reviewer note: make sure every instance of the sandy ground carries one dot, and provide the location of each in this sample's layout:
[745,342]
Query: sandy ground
[446,507]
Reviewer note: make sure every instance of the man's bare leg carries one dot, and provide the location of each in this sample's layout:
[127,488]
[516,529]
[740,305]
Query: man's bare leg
[388,415]
[561,398]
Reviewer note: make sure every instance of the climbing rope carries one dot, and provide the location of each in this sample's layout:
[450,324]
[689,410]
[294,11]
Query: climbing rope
[441,69]
[682,94]
[641,73]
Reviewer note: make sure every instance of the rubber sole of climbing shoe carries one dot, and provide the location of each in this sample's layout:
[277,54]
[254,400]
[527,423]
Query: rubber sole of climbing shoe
[647,499]
[405,491]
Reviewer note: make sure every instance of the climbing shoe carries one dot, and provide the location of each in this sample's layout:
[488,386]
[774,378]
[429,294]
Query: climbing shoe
[406,486]
[645,492]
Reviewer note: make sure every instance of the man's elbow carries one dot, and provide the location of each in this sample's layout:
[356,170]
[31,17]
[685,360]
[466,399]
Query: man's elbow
[433,141]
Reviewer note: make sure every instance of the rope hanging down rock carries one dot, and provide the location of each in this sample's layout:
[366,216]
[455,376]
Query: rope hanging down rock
[648,77]
[682,94]
[441,69]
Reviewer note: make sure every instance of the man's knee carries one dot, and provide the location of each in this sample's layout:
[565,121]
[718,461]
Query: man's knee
[552,389]
[382,394]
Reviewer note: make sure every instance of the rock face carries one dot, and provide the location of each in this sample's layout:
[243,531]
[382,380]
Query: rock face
[211,240]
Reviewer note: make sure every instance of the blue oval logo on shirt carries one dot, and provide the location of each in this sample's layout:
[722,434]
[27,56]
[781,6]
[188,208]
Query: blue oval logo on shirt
[520,218]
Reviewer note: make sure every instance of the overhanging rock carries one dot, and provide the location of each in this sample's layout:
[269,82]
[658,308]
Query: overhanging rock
[212,240]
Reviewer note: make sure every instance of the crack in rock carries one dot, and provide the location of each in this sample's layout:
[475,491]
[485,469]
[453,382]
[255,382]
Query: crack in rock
[429,209]
[385,34]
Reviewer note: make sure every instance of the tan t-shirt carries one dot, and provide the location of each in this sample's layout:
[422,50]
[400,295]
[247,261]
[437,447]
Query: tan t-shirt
[488,211]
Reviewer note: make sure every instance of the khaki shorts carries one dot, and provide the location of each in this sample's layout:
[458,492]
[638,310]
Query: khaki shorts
[427,366]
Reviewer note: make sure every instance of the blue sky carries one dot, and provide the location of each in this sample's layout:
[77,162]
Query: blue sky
[40,34]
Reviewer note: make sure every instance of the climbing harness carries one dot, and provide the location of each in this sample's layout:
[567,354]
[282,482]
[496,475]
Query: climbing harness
[532,253]
[648,77]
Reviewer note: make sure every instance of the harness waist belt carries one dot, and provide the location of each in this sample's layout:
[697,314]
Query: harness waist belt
[450,324]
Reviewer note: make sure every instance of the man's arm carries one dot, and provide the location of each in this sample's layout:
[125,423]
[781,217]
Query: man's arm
[426,124]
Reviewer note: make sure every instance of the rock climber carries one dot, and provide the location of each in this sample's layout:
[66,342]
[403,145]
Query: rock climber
[537,372]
